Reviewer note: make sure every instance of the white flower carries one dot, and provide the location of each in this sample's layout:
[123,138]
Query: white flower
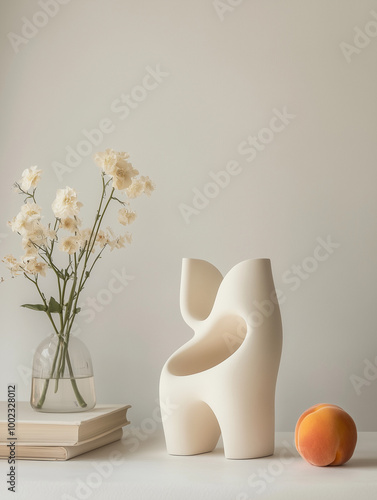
[139,186]
[31,211]
[33,266]
[66,204]
[12,265]
[20,224]
[70,224]
[148,185]
[123,174]
[102,238]
[25,220]
[121,155]
[70,244]
[38,234]
[106,160]
[10,259]
[30,249]
[30,178]
[28,224]
[116,165]
[84,236]
[126,216]
[117,241]
[50,233]
[136,188]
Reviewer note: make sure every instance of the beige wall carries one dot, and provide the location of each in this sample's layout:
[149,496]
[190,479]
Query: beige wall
[300,189]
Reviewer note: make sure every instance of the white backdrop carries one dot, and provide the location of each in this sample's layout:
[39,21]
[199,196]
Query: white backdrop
[220,71]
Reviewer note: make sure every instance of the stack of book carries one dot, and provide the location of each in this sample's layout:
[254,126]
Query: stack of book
[60,436]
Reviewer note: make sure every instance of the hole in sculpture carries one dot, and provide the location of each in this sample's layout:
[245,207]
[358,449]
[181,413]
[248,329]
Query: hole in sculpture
[217,345]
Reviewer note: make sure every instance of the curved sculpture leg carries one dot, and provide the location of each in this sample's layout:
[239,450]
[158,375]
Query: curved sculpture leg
[191,429]
[244,435]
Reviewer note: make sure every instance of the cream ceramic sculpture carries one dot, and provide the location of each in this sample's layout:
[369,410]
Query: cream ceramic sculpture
[223,380]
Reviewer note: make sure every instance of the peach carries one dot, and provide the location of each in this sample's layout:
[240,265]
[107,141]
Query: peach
[325,435]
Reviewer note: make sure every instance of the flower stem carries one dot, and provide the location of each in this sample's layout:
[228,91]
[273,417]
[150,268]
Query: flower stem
[79,398]
[47,380]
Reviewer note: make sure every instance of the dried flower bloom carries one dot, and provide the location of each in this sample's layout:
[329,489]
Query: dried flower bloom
[10,259]
[70,224]
[38,234]
[136,188]
[139,186]
[20,224]
[50,233]
[40,268]
[106,160]
[31,211]
[111,238]
[148,185]
[70,244]
[30,178]
[12,264]
[66,204]
[117,242]
[33,266]
[84,236]
[123,174]
[30,249]
[116,165]
[102,238]
[24,221]
[126,216]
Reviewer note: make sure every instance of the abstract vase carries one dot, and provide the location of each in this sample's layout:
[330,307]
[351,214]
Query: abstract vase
[223,380]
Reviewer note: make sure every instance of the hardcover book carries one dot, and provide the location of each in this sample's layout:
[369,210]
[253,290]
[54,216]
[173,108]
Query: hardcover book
[62,429]
[51,452]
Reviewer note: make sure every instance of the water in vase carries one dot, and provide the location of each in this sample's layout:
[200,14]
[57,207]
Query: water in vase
[63,395]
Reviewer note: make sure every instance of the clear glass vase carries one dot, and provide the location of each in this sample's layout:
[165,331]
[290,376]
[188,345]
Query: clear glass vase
[62,376]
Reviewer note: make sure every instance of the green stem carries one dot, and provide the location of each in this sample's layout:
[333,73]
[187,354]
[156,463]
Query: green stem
[79,398]
[84,274]
[100,222]
[47,381]
[60,370]
[104,185]
[44,302]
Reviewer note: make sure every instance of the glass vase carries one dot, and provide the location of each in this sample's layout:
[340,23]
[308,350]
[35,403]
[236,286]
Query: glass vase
[62,376]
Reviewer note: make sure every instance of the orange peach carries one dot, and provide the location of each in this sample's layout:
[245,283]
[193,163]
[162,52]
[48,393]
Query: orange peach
[325,435]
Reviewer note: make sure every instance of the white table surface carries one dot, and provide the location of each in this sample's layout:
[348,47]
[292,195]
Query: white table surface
[139,469]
